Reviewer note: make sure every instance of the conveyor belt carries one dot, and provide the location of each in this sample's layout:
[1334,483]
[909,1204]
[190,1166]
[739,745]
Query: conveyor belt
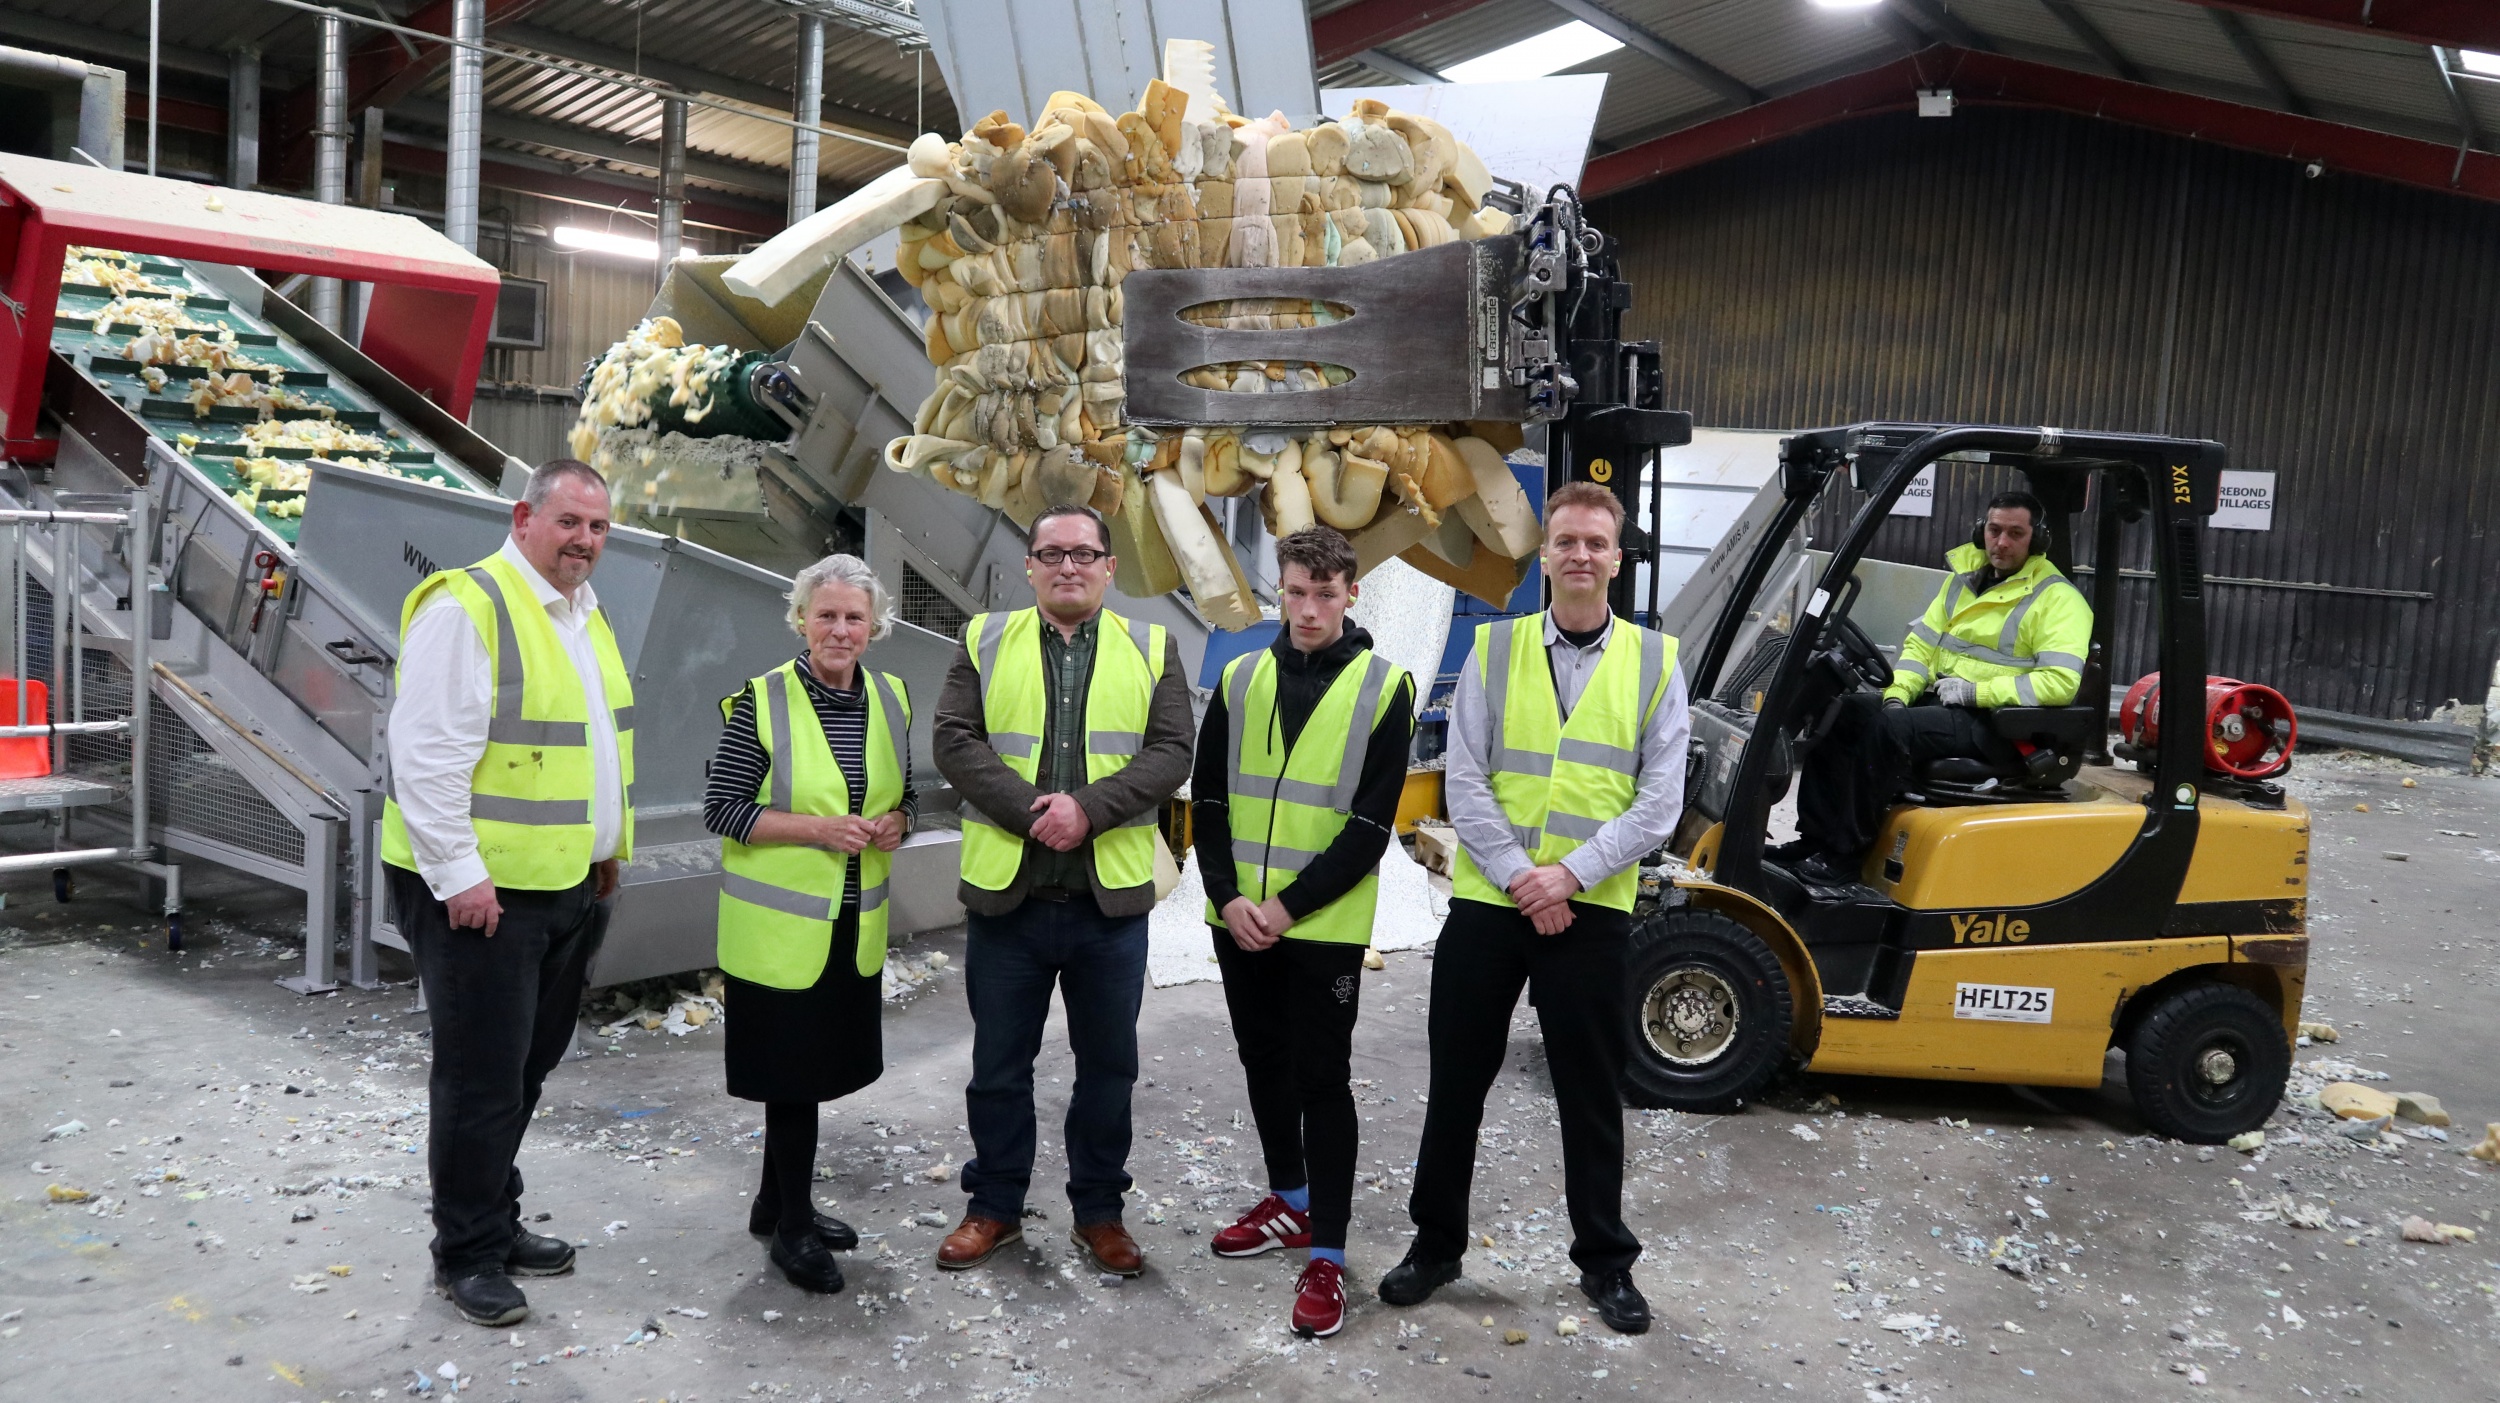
[218,440]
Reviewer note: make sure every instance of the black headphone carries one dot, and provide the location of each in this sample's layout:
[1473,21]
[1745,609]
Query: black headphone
[2039,526]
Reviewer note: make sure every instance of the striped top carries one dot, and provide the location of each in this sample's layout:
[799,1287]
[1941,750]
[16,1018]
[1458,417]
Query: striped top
[739,765]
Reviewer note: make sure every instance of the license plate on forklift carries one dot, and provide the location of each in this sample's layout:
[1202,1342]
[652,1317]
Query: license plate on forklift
[2003,1003]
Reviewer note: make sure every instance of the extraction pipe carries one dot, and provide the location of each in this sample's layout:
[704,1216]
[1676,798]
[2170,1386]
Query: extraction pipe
[809,112]
[330,153]
[672,181]
[243,118]
[467,122]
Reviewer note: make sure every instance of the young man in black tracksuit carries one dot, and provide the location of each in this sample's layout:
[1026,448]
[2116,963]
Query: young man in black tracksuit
[1292,949]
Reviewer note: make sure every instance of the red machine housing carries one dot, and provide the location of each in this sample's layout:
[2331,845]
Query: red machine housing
[433,302]
[2249,727]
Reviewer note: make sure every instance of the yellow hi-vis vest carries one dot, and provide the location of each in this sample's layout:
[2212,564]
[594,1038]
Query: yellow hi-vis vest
[1560,781]
[778,901]
[1287,804]
[530,795]
[1128,661]
[2023,642]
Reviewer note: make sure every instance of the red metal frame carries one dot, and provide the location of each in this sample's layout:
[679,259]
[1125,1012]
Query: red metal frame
[2465,24]
[1342,33]
[432,308]
[1998,81]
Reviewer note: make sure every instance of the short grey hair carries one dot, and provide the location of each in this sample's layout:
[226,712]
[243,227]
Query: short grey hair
[545,476]
[842,570]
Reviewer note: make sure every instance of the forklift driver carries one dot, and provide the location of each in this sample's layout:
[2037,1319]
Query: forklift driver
[2006,630]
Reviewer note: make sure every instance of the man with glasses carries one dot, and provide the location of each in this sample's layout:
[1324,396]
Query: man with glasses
[1064,727]
[1566,768]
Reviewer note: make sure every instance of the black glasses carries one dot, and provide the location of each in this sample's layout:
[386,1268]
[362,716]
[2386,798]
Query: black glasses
[1054,556]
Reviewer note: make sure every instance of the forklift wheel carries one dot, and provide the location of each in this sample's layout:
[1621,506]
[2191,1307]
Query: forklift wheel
[2208,1062]
[1709,1010]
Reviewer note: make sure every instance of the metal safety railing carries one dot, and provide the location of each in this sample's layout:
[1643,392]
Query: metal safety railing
[59,699]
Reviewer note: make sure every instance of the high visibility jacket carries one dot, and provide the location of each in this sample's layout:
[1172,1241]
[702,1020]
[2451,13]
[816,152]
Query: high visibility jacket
[2023,641]
[1286,804]
[778,901]
[1559,780]
[530,795]
[1128,662]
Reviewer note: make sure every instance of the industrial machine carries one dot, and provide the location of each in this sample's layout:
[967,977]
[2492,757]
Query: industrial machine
[2010,926]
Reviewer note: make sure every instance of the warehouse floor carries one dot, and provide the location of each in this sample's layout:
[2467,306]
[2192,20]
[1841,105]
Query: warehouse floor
[259,1233]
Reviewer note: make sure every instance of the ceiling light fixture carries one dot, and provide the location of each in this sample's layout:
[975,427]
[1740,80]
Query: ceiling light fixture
[2481,64]
[1847,4]
[1535,56]
[582,240]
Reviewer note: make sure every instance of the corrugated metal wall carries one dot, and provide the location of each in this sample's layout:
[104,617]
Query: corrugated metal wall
[2032,268]
[593,299]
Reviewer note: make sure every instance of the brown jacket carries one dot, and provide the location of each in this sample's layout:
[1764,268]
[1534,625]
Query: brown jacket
[961,747]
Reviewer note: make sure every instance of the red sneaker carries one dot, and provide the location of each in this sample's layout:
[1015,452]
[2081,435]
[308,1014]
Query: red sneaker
[1319,1301]
[1272,1224]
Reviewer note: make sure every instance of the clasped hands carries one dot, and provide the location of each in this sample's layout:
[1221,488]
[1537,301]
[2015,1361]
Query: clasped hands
[1544,896]
[849,833]
[1256,925]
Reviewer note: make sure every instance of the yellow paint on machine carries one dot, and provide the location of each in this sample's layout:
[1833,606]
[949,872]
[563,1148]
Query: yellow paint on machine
[2245,854]
[1996,857]
[2090,980]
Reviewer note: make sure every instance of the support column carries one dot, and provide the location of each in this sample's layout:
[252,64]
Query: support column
[468,114]
[809,112]
[243,118]
[330,150]
[672,181]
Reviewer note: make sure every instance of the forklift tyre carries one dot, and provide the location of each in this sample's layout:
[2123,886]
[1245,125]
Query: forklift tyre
[2207,1062]
[1708,1013]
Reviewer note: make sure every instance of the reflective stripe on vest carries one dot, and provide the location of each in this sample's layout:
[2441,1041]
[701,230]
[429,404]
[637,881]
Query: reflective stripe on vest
[1285,809]
[532,790]
[1561,779]
[1006,652]
[778,901]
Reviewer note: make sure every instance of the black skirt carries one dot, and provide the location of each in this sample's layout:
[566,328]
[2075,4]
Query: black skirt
[812,1044]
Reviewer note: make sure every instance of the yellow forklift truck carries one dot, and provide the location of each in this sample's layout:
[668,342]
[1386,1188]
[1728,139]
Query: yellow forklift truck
[2010,925]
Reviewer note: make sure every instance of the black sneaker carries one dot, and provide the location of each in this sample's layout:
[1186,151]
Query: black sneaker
[1619,1303]
[1792,852]
[1826,871]
[1414,1279]
[535,1254]
[763,1221]
[489,1298]
[804,1259]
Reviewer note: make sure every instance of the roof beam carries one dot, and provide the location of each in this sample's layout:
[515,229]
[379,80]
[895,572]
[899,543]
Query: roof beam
[1367,24]
[2261,63]
[2090,36]
[1682,60]
[1996,80]
[591,144]
[1953,27]
[394,66]
[1381,61]
[2469,131]
[2458,24]
[699,80]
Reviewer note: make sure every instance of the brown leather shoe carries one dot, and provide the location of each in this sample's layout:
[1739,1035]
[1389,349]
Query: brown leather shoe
[1111,1247]
[974,1241]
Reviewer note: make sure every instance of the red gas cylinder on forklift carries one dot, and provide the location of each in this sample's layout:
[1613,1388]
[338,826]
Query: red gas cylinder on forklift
[2249,727]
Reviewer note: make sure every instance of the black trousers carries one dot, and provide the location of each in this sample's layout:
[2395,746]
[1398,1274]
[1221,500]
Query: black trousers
[1852,775]
[1575,981]
[1293,1007]
[503,1010]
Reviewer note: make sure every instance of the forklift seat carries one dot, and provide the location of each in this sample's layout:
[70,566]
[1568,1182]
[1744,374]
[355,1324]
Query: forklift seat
[2059,737]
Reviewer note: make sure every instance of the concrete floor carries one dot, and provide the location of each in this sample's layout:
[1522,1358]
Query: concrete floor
[260,1229]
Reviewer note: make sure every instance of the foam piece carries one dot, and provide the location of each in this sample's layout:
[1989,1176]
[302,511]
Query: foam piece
[787,260]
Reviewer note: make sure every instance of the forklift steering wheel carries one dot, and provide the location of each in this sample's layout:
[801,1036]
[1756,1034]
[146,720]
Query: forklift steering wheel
[1858,653]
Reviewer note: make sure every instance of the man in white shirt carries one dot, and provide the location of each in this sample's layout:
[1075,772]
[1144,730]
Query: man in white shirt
[511,752]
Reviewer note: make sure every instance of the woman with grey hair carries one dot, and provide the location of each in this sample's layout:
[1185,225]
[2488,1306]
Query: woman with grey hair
[810,791]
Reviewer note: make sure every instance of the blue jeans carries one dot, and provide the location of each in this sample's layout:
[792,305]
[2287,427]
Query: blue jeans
[1010,964]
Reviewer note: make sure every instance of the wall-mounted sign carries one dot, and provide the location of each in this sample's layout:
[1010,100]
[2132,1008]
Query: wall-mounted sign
[1919,498]
[2247,502]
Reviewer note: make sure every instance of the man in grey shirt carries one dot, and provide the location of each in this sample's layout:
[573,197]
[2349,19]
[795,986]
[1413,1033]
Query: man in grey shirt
[1566,768]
